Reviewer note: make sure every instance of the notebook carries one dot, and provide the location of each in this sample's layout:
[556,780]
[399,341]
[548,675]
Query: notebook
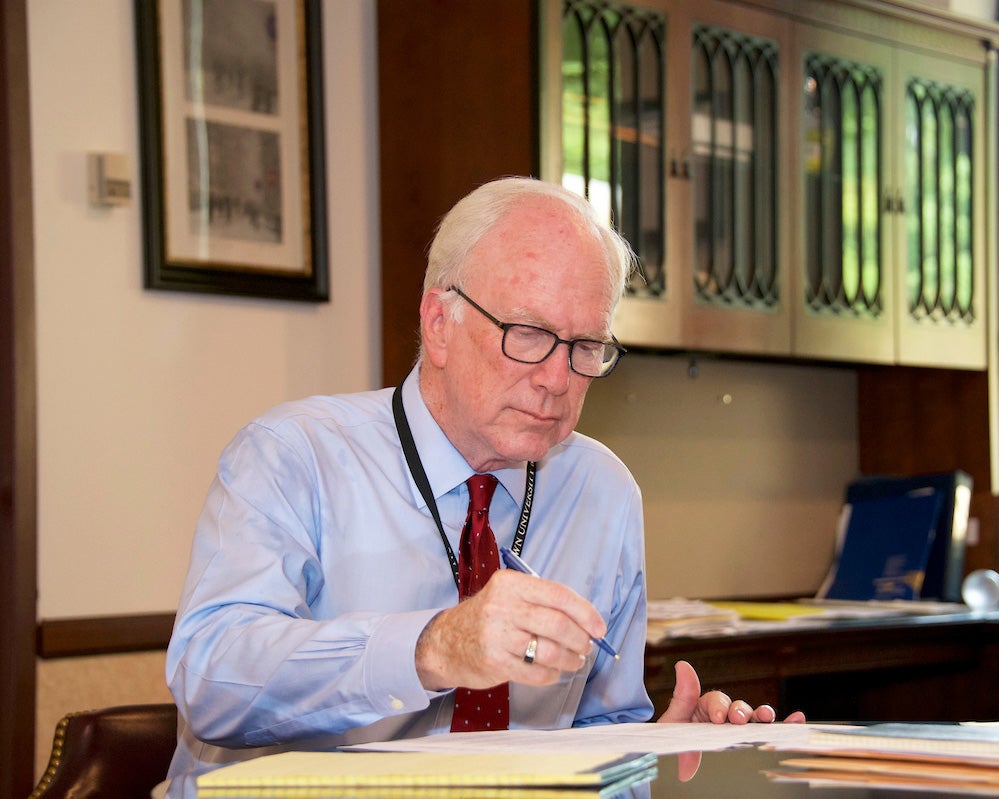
[410,773]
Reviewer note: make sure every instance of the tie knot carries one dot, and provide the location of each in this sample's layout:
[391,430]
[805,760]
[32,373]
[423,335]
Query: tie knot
[480,491]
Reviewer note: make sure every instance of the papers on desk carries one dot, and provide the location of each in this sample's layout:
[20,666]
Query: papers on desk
[961,742]
[946,758]
[515,764]
[415,774]
[693,618]
[678,618]
[660,739]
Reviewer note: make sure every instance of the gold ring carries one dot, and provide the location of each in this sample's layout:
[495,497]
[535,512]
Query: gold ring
[531,651]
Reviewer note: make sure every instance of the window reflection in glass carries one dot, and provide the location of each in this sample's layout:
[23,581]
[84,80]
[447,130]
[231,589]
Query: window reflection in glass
[734,133]
[842,160]
[938,206]
[613,105]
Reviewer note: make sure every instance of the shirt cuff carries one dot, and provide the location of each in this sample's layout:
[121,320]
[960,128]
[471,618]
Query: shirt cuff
[390,677]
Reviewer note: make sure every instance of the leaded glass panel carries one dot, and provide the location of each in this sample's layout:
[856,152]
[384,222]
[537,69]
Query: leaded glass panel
[842,159]
[938,210]
[613,107]
[734,176]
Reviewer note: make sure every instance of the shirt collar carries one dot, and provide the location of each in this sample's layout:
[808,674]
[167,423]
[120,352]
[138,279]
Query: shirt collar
[444,465]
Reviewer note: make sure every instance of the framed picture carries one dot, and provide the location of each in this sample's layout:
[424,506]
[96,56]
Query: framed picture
[232,164]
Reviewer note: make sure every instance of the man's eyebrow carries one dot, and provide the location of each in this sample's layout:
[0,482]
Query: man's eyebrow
[521,315]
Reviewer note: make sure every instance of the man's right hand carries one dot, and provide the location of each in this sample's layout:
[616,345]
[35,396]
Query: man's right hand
[482,640]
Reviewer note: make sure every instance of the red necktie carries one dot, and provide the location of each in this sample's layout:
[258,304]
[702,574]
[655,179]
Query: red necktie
[487,709]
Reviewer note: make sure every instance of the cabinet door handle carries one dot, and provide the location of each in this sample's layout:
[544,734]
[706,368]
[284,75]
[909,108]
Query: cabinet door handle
[679,167]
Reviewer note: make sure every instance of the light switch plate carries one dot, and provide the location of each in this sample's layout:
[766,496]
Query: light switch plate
[109,180]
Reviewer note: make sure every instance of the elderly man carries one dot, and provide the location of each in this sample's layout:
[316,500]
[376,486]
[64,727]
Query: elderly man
[344,583]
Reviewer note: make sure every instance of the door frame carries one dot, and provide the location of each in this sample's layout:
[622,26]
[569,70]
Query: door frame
[18,440]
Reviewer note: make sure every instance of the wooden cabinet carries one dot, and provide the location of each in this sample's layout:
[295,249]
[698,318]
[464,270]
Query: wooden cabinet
[670,119]
[891,160]
[802,180]
[912,669]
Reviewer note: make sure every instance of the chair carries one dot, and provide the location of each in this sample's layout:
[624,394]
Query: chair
[120,752]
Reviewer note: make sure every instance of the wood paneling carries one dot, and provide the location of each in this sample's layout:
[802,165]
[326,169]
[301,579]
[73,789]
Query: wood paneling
[457,107]
[104,635]
[918,421]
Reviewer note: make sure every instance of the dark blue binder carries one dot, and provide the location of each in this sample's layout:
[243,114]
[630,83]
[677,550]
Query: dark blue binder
[886,546]
[945,567]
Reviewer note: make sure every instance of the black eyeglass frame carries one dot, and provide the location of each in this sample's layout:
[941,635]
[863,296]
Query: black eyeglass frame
[506,326]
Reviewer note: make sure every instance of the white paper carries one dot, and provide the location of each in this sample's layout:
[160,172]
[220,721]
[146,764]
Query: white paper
[662,739]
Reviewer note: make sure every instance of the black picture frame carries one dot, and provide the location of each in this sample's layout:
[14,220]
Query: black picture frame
[230,115]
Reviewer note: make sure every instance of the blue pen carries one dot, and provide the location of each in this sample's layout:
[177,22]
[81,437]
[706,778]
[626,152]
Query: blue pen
[513,561]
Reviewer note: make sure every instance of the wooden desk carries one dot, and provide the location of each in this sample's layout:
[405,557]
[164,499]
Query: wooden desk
[941,668]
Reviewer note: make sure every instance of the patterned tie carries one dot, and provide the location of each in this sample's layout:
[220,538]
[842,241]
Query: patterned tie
[478,558]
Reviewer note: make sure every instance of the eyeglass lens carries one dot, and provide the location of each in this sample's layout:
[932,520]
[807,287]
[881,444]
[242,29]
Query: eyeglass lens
[530,344]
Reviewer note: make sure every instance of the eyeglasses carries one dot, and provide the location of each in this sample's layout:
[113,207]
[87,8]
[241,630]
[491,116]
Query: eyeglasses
[530,344]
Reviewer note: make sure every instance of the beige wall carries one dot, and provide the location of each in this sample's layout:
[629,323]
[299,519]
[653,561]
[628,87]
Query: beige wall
[742,468]
[138,391]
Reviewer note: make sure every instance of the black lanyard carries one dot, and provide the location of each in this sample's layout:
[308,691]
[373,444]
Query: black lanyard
[420,476]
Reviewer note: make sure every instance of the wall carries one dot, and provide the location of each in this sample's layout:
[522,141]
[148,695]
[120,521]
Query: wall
[742,467]
[138,391]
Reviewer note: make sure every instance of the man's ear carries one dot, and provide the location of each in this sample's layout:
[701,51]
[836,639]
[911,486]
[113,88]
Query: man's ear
[435,319]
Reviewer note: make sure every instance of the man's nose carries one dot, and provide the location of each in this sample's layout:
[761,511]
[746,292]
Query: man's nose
[554,371]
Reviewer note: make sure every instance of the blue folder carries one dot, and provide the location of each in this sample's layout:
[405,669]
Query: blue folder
[886,547]
[945,567]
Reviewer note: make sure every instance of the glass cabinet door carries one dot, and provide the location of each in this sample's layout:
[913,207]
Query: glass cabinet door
[774,175]
[939,221]
[734,146]
[843,293]
[731,120]
[671,125]
[842,180]
[613,109]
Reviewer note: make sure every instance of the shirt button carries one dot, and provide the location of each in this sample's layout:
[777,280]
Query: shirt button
[397,704]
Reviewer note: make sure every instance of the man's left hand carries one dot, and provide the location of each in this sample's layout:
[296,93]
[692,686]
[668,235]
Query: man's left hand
[716,707]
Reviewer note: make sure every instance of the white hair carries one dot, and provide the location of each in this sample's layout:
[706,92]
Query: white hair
[476,213]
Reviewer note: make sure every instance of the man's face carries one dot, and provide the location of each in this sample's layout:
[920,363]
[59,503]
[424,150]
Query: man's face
[537,266]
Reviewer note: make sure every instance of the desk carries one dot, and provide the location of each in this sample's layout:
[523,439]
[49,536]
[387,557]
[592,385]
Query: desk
[738,774]
[914,668]
[729,774]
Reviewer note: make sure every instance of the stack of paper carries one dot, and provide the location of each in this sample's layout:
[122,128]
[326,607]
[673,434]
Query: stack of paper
[439,774]
[945,758]
[679,617]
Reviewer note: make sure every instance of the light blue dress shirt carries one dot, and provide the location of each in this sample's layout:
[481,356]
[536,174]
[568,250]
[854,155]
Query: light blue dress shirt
[316,564]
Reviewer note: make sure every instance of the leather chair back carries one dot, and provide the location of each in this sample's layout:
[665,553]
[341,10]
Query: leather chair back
[121,752]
